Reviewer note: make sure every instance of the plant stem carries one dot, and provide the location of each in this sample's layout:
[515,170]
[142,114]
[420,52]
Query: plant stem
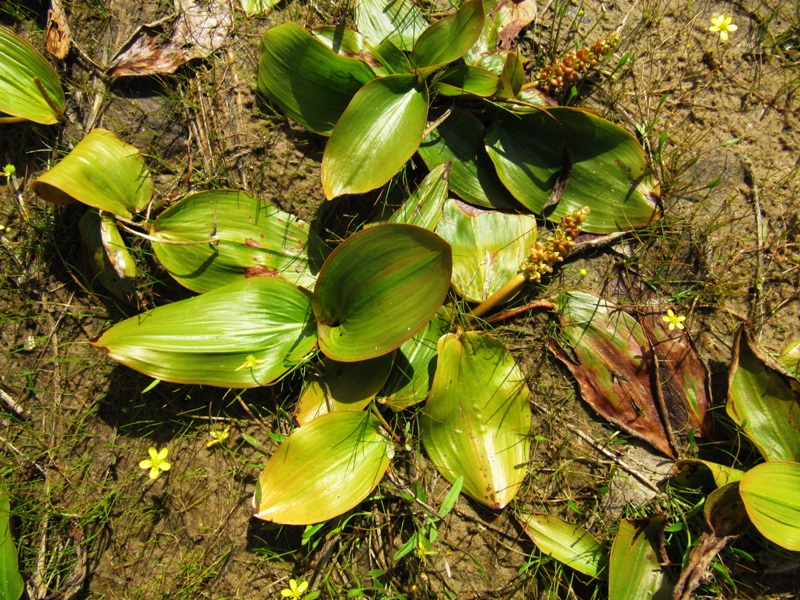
[509,288]
[386,425]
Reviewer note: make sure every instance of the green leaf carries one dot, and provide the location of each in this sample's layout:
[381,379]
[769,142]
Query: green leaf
[567,543]
[635,572]
[465,79]
[20,66]
[567,158]
[257,7]
[310,82]
[391,57]
[488,247]
[323,469]
[771,495]
[477,419]
[762,403]
[450,500]
[119,278]
[210,239]
[459,141]
[101,171]
[424,207]
[245,334]
[415,364]
[789,359]
[448,39]
[377,134]
[607,352]
[378,289]
[333,385]
[11,584]
[399,21]
[512,77]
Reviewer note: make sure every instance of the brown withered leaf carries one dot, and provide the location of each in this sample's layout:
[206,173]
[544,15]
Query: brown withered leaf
[609,355]
[511,16]
[197,30]
[57,39]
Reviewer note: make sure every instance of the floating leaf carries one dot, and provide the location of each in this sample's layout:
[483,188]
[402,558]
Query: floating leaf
[477,419]
[459,141]
[323,469]
[334,385]
[634,565]
[101,171]
[378,289]
[377,134]
[309,81]
[415,364]
[488,247]
[762,403]
[245,334]
[605,349]
[21,66]
[210,239]
[566,542]
[771,495]
[11,583]
[399,21]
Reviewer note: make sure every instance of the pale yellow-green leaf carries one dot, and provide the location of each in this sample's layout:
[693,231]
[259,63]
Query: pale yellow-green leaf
[323,469]
[566,542]
[771,495]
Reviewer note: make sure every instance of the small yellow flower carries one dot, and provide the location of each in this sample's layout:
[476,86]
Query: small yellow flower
[218,436]
[250,362]
[295,590]
[156,463]
[583,272]
[673,320]
[9,170]
[722,25]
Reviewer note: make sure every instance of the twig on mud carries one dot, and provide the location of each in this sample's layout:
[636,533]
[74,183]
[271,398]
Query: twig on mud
[617,460]
[758,305]
[14,406]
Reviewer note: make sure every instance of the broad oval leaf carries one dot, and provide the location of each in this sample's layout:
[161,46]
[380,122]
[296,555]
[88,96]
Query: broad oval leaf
[323,469]
[101,171]
[210,239]
[399,21]
[20,66]
[378,289]
[762,403]
[458,141]
[333,385]
[448,39]
[377,134]
[488,247]
[242,335]
[635,571]
[567,543]
[771,495]
[477,419]
[415,364]
[571,158]
[308,80]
